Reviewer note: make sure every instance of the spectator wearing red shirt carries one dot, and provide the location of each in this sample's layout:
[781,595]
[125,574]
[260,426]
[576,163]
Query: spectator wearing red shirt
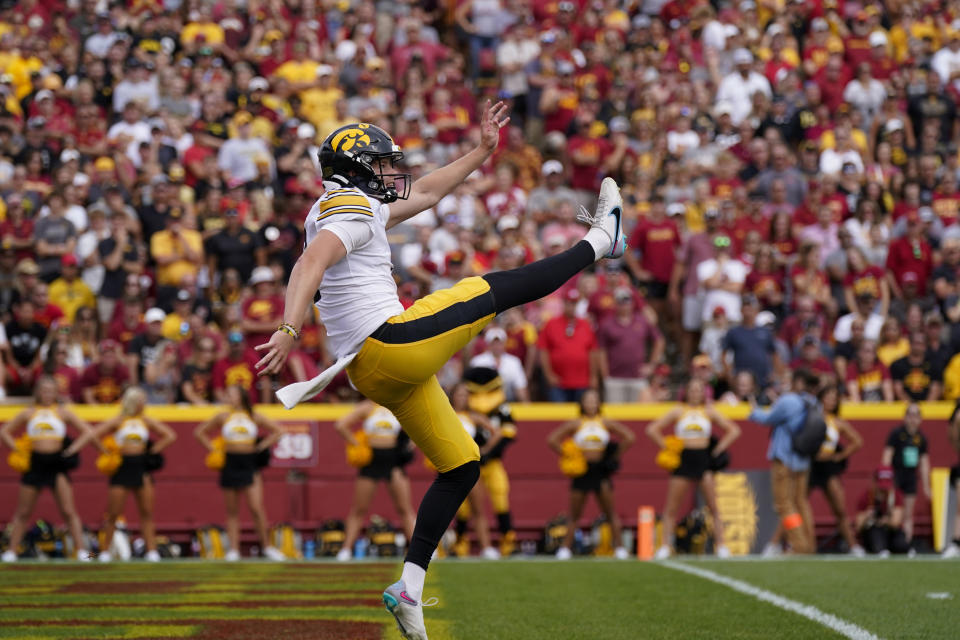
[47,313]
[588,154]
[559,100]
[566,346]
[811,358]
[623,339]
[910,254]
[66,377]
[237,368]
[16,231]
[766,281]
[946,200]
[882,66]
[130,323]
[104,381]
[857,46]
[868,379]
[864,278]
[804,321]
[754,220]
[832,80]
[263,311]
[657,239]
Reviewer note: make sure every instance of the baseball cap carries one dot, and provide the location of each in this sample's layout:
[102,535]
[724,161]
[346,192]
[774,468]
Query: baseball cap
[641,21]
[324,70]
[622,294]
[495,333]
[552,166]
[259,84]
[676,209]
[809,341]
[68,260]
[44,94]
[242,118]
[819,24]
[766,319]
[68,155]
[508,222]
[884,477]
[892,125]
[261,275]
[234,337]
[926,214]
[154,314]
[572,295]
[28,267]
[742,56]
[878,39]
[619,124]
[184,296]
[565,67]
[455,257]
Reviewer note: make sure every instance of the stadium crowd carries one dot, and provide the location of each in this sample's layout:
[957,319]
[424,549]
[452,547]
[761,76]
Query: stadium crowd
[789,170]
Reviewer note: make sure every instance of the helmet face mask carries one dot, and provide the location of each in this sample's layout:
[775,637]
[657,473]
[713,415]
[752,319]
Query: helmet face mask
[364,156]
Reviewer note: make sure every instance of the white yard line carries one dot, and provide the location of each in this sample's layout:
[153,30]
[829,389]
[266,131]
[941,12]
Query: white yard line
[832,622]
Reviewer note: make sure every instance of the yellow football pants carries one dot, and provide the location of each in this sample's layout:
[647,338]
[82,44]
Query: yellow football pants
[397,365]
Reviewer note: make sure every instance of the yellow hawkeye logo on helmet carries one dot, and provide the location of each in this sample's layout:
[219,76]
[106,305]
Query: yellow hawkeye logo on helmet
[347,140]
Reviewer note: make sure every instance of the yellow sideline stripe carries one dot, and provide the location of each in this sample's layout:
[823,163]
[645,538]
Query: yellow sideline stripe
[532,412]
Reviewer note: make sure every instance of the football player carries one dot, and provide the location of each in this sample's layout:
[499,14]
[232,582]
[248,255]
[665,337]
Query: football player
[392,354]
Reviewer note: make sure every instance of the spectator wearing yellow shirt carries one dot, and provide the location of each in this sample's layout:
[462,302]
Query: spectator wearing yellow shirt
[318,104]
[202,31]
[300,71]
[341,118]
[68,291]
[178,253]
[176,325]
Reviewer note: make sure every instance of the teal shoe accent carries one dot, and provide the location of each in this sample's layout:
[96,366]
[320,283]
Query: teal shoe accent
[390,602]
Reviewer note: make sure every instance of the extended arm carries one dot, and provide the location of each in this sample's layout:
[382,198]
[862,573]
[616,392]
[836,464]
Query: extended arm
[326,249]
[428,190]
[6,432]
[780,411]
[81,426]
[655,429]
[854,440]
[200,433]
[625,434]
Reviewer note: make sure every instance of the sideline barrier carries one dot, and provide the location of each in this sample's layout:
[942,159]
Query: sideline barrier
[310,481]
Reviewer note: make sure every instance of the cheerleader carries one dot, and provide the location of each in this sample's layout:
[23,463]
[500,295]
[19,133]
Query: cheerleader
[240,475]
[591,435]
[391,451]
[46,453]
[487,437]
[131,431]
[693,424]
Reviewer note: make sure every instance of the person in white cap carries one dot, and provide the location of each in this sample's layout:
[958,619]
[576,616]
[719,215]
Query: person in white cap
[546,199]
[507,365]
[946,61]
[262,311]
[737,88]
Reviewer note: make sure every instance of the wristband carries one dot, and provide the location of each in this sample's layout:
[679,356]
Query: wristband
[290,330]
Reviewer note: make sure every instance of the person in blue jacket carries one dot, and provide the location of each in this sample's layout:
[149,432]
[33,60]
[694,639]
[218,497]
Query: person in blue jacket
[788,469]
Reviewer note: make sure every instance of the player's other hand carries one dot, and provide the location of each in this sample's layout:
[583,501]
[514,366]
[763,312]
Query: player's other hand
[278,348]
[494,118]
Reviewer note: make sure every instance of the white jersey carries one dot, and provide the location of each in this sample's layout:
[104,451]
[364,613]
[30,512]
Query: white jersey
[358,293]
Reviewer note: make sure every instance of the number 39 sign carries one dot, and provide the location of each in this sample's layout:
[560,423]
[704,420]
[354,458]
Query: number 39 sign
[297,446]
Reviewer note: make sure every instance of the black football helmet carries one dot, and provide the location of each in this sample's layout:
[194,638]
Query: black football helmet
[357,154]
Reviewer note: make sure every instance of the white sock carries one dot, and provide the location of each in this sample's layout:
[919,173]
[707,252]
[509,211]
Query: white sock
[413,576]
[599,240]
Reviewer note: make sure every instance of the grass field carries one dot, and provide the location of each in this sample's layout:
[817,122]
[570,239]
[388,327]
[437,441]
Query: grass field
[522,600]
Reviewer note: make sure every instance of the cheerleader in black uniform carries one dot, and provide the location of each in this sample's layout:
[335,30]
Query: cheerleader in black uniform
[239,427]
[392,449]
[591,434]
[132,430]
[693,423]
[47,453]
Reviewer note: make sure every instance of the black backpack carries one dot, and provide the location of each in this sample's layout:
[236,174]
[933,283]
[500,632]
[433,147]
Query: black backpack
[808,439]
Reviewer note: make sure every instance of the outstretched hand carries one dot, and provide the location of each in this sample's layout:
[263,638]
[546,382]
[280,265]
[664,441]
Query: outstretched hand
[277,351]
[490,124]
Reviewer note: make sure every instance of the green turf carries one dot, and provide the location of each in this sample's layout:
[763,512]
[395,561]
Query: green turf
[513,599]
